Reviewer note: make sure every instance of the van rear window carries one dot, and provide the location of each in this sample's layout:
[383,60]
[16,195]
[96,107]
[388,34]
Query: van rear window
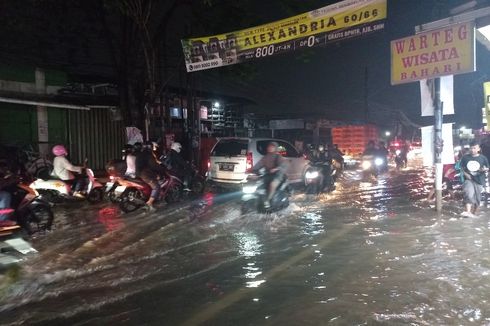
[230,147]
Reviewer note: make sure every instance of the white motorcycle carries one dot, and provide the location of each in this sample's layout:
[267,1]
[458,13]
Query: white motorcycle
[56,190]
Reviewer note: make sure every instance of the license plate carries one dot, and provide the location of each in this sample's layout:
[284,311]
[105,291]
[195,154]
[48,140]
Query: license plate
[226,167]
[120,189]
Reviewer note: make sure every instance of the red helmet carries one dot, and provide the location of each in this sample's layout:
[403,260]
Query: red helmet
[59,150]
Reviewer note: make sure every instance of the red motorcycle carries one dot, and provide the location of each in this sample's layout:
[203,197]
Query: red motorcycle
[451,177]
[29,211]
[134,193]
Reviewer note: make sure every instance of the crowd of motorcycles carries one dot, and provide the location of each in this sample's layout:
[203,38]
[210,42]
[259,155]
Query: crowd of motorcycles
[35,192]
[131,193]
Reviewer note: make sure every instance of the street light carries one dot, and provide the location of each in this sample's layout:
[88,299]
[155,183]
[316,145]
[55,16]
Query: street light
[216,104]
[387,134]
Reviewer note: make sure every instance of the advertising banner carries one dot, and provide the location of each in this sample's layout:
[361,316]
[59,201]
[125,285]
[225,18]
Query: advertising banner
[447,155]
[339,21]
[440,52]
[446,94]
[486,94]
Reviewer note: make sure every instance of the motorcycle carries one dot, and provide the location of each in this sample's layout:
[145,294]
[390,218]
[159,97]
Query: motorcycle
[372,165]
[452,178]
[255,194]
[196,181]
[25,161]
[320,178]
[56,190]
[31,212]
[134,193]
[193,181]
[400,160]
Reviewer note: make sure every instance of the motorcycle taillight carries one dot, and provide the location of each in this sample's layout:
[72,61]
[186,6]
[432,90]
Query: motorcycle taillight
[250,161]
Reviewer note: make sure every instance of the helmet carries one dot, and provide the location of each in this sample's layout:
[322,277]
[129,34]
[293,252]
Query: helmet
[176,147]
[59,150]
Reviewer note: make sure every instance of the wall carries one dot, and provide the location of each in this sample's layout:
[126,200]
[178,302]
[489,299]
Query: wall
[18,124]
[93,135]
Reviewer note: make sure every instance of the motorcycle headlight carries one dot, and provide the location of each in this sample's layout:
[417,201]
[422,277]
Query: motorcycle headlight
[378,161]
[366,165]
[398,152]
[249,189]
[311,174]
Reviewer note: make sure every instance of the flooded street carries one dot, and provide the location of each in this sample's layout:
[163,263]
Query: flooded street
[369,253]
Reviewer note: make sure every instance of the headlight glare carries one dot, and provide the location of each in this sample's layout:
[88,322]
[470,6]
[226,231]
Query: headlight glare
[248,189]
[311,174]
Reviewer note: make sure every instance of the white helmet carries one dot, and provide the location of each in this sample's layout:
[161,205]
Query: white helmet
[176,147]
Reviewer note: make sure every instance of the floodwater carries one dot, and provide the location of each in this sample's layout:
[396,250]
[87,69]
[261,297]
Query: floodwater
[370,253]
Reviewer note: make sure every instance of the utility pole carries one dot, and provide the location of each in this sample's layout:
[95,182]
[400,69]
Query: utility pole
[438,118]
[438,142]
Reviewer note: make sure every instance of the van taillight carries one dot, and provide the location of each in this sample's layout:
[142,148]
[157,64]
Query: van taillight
[209,164]
[250,161]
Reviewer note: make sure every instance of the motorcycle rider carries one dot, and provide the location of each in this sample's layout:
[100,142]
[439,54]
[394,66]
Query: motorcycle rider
[275,166]
[335,155]
[404,153]
[383,152]
[176,163]
[324,159]
[370,148]
[149,171]
[62,169]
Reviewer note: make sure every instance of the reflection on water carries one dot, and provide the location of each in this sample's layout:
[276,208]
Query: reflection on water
[368,253]
[248,247]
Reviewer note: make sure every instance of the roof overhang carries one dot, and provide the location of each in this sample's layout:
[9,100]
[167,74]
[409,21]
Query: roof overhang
[42,103]
[53,101]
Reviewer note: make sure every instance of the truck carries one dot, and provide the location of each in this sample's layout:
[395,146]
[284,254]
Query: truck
[352,139]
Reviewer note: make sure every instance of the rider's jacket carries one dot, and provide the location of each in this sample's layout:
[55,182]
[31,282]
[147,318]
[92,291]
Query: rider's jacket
[62,168]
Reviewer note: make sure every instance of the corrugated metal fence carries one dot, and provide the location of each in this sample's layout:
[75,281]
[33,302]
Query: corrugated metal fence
[94,135]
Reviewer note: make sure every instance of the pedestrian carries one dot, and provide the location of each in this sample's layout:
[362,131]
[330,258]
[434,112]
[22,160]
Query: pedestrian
[474,166]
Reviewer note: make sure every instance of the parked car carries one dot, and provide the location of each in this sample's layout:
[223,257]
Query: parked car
[232,158]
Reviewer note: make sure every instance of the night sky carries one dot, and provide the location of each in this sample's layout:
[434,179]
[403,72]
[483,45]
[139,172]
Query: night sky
[329,81]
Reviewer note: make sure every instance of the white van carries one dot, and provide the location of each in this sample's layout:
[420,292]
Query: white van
[232,158]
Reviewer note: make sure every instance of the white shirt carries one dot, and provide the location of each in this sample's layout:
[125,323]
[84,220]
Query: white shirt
[62,168]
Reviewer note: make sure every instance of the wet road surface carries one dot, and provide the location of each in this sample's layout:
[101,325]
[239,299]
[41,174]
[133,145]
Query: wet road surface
[371,253]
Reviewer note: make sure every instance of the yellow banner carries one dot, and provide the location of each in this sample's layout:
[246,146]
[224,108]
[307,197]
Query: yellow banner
[486,94]
[441,52]
[338,21]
